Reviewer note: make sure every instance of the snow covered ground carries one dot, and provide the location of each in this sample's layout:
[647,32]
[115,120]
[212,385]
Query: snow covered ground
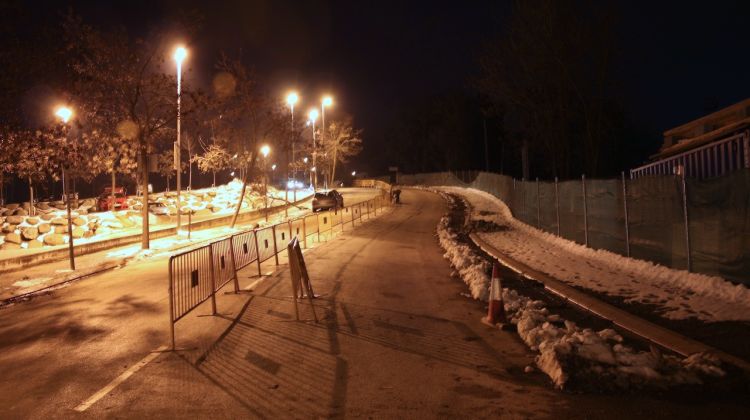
[569,353]
[678,294]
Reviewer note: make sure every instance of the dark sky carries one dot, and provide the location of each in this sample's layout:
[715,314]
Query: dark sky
[677,60]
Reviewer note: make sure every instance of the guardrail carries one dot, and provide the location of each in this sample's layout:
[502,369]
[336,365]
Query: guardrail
[198,274]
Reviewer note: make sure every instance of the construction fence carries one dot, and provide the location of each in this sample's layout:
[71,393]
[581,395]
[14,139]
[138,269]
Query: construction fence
[701,225]
[196,275]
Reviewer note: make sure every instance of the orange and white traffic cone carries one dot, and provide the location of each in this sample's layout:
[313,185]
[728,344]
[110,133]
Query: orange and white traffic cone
[496,312]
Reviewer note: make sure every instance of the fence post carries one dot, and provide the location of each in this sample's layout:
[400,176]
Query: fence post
[213,281]
[171,304]
[538,204]
[687,222]
[304,231]
[275,250]
[585,211]
[234,265]
[557,207]
[625,207]
[257,251]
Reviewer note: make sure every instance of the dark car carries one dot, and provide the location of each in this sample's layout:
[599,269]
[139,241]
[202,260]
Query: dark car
[326,201]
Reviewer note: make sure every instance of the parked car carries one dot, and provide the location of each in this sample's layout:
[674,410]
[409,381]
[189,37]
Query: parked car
[326,201]
[157,208]
[104,202]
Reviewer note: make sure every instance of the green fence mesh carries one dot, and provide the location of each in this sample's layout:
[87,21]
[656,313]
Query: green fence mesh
[718,212]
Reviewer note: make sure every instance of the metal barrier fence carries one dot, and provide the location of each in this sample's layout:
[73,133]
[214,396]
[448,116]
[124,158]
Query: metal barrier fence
[198,274]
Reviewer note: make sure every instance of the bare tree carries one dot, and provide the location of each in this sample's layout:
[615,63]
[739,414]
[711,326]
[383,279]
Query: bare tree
[341,142]
[128,91]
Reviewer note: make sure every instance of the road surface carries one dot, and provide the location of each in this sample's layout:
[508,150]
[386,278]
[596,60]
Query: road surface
[396,339]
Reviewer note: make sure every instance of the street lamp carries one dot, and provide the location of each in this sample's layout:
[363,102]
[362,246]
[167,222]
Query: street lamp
[291,99]
[354,173]
[65,114]
[326,101]
[313,115]
[180,53]
[265,150]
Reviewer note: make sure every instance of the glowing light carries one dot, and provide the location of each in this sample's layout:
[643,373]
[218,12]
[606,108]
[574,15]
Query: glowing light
[290,183]
[354,173]
[313,114]
[231,174]
[292,98]
[273,167]
[265,150]
[180,53]
[327,101]
[304,160]
[64,113]
[312,169]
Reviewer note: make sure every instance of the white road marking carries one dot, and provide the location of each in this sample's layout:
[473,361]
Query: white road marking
[120,379]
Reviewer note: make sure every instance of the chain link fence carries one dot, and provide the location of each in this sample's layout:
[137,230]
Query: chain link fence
[701,225]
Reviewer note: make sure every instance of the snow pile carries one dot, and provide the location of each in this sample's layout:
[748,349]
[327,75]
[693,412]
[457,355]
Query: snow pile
[472,269]
[570,354]
[678,294]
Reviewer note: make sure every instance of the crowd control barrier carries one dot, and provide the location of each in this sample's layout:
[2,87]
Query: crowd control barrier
[196,275]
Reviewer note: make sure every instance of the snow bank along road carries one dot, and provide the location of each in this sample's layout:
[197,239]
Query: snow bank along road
[396,339]
[677,294]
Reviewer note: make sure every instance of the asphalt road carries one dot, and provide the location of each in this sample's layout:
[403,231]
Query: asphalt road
[396,339]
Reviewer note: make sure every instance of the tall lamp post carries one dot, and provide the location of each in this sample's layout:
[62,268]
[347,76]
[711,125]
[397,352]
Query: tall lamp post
[326,101]
[291,99]
[179,55]
[313,115]
[265,150]
[65,114]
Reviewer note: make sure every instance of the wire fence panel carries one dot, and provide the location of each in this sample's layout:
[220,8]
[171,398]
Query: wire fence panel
[719,214]
[606,216]
[282,231]
[312,227]
[547,207]
[570,196]
[657,226]
[324,222]
[265,243]
[346,215]
[297,229]
[223,262]
[245,252]
[190,280]
[357,212]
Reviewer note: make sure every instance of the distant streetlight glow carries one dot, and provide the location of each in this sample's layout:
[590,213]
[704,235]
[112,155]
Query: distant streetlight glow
[265,150]
[327,101]
[354,173]
[292,98]
[64,113]
[312,169]
[313,115]
[273,167]
[304,160]
[180,53]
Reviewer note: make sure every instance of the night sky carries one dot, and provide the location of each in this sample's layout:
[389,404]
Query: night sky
[676,60]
